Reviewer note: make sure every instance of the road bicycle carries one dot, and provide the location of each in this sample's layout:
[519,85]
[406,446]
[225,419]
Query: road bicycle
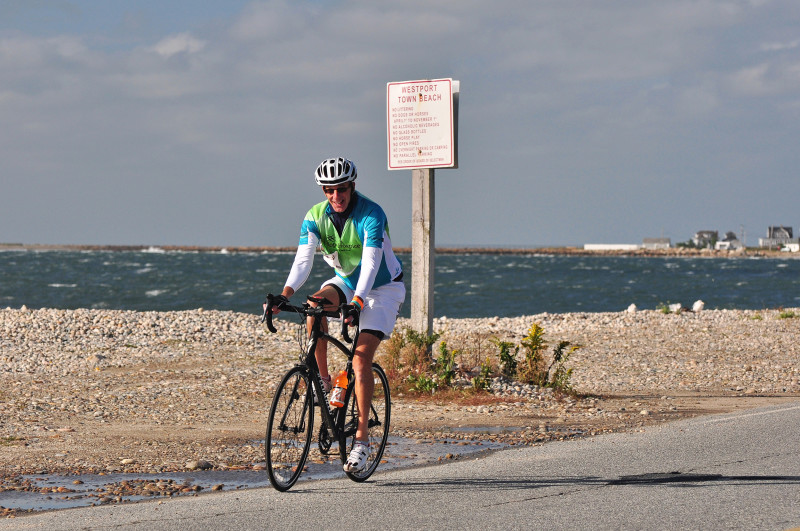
[290,427]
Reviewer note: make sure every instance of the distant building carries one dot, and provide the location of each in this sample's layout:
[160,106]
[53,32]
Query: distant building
[730,242]
[656,243]
[705,238]
[793,246]
[610,246]
[776,237]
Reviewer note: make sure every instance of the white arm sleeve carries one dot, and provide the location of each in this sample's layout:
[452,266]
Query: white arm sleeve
[303,260]
[370,262]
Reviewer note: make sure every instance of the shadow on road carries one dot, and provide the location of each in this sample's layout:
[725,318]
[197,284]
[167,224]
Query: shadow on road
[525,483]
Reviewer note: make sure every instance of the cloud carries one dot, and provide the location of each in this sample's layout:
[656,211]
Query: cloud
[780,46]
[175,44]
[767,79]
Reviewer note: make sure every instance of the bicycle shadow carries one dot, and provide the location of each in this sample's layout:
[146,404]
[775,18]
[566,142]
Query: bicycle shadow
[669,479]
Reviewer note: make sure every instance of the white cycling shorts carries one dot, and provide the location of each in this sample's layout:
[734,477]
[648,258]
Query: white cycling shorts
[381,305]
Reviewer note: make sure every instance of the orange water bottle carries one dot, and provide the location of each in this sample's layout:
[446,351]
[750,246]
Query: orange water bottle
[339,387]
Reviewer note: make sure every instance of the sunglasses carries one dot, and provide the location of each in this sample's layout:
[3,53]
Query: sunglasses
[341,190]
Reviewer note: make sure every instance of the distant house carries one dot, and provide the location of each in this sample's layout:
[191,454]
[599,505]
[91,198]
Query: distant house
[730,242]
[793,246]
[776,237]
[656,243]
[705,238]
[610,246]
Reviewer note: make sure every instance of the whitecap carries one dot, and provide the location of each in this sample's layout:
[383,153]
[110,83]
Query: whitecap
[154,292]
[63,285]
[152,249]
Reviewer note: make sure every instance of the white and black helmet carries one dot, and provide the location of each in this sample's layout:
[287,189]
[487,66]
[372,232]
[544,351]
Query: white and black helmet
[335,171]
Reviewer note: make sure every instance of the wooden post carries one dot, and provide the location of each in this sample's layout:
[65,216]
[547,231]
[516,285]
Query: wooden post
[422,250]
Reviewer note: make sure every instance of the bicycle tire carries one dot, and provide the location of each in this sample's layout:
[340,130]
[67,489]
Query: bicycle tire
[379,417]
[289,429]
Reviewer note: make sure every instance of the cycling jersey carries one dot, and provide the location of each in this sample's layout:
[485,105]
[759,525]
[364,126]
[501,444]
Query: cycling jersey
[361,255]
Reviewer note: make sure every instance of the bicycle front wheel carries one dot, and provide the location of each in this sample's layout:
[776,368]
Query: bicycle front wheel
[379,415]
[289,429]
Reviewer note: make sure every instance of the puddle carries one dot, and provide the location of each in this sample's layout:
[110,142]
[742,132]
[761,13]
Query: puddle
[493,430]
[500,430]
[50,492]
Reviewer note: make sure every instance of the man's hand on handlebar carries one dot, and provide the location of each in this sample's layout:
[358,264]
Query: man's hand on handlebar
[352,311]
[277,303]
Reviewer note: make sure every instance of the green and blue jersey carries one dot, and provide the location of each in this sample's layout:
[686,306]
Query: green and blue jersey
[367,227]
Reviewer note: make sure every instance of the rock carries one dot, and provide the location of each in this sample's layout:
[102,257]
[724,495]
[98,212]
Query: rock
[198,465]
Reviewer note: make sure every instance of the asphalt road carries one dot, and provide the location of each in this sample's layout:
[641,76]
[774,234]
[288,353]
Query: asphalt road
[735,471]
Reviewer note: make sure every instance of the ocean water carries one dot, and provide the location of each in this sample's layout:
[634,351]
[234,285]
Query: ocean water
[466,285]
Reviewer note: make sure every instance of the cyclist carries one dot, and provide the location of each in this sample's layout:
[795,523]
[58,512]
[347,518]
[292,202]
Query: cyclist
[353,234]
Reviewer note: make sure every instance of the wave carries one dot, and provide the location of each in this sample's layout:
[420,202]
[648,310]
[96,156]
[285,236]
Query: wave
[155,292]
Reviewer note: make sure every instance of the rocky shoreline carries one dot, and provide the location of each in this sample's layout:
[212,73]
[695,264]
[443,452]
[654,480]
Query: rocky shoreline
[104,391]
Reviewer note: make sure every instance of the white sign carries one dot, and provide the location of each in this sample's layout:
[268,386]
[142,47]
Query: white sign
[421,128]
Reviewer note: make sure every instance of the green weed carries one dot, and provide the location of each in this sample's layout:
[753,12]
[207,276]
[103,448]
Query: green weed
[538,370]
[508,359]
[483,379]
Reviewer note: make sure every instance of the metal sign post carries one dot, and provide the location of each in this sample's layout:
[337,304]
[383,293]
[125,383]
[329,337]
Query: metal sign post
[422,134]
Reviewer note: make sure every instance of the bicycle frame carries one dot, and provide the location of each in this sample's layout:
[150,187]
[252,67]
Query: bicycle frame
[329,418]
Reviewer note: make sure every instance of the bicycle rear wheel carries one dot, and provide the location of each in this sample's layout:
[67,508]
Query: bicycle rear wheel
[289,429]
[379,416]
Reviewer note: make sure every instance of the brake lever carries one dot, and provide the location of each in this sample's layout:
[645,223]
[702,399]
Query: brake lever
[268,313]
[345,335]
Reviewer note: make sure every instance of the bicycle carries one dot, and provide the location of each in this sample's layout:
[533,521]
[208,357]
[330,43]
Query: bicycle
[291,417]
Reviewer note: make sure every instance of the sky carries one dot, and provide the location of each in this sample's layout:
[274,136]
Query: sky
[201,123]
